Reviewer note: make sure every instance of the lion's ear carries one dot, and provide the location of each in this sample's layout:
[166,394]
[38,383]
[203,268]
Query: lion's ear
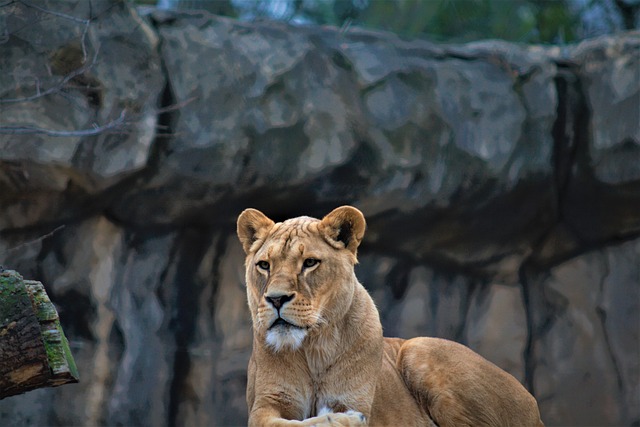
[252,225]
[344,227]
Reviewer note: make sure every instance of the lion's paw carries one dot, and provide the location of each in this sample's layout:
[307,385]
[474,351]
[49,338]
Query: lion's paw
[338,419]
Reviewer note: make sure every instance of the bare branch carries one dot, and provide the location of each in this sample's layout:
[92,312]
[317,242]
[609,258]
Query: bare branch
[83,39]
[115,124]
[55,88]
[21,130]
[4,37]
[85,22]
[177,106]
[39,239]
[54,13]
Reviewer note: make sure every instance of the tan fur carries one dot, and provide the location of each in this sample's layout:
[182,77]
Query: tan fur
[330,365]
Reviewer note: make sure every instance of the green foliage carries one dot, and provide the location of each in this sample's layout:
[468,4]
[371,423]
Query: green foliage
[466,20]
[526,21]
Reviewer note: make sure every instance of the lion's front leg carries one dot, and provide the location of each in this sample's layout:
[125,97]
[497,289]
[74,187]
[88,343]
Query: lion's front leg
[339,419]
[342,419]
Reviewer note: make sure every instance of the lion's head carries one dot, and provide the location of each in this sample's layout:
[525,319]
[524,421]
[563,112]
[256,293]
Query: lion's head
[299,272]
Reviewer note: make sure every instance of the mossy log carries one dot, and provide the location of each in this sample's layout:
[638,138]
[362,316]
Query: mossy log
[34,352]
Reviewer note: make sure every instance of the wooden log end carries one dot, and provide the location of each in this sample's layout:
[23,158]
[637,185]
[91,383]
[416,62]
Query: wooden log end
[34,351]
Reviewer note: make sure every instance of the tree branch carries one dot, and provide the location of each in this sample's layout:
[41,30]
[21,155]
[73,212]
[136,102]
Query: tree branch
[86,22]
[21,130]
[56,87]
[31,242]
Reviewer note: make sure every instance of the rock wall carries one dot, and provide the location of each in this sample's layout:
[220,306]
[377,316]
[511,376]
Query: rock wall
[501,185]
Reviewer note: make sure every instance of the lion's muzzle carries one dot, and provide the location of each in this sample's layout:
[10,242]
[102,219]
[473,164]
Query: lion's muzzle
[278,300]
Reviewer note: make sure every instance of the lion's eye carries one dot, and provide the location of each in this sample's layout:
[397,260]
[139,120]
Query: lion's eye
[264,265]
[310,262]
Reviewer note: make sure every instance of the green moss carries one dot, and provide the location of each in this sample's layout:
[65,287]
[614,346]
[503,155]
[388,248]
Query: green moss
[59,355]
[13,295]
[20,298]
[73,369]
[55,343]
[53,355]
[45,311]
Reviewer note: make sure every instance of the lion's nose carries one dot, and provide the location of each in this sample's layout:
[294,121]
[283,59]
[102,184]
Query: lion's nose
[278,300]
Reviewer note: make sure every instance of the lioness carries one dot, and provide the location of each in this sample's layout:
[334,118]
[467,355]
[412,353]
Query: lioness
[319,357]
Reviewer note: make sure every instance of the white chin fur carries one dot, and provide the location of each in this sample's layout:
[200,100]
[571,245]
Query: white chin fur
[324,411]
[283,337]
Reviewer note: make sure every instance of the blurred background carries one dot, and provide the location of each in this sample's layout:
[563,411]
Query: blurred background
[494,147]
[524,21]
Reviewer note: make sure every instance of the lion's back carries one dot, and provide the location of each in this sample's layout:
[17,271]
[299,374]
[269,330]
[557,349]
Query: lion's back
[458,387]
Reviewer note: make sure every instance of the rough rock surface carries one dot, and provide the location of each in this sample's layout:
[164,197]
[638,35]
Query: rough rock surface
[76,67]
[501,185]
[581,342]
